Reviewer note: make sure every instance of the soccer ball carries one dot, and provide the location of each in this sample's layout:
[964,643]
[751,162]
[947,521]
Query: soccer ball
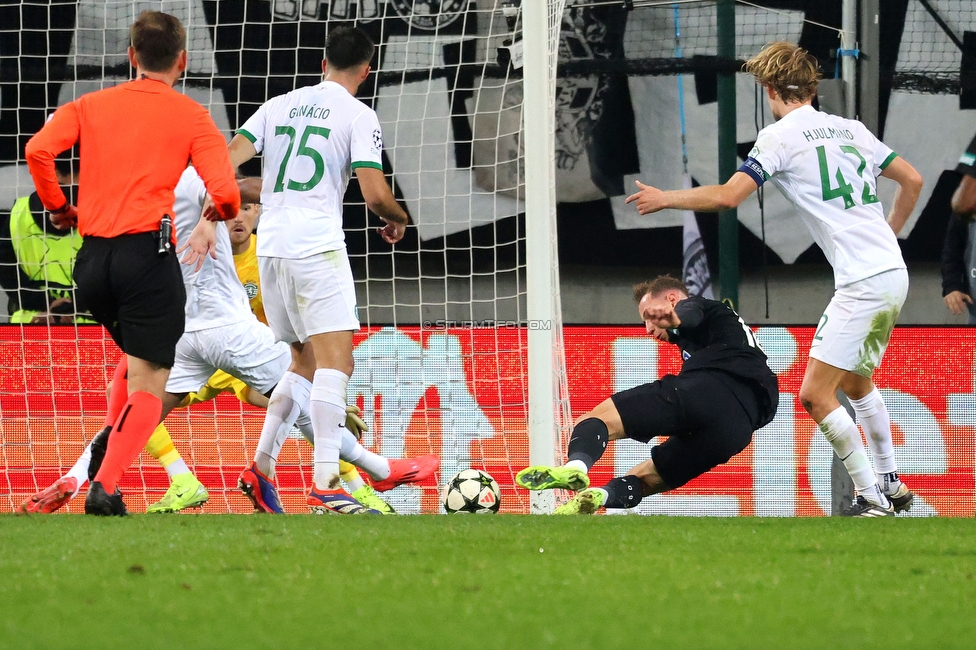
[472,491]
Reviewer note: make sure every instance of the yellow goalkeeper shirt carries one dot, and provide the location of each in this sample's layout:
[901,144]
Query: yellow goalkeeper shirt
[219,382]
[247,272]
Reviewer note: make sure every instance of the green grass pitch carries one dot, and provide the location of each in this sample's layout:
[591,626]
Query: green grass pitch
[485,582]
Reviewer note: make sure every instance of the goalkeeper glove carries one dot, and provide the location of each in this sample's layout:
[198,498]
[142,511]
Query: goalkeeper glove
[354,423]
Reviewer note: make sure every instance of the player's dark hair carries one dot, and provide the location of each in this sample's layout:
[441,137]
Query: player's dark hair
[348,47]
[657,285]
[158,39]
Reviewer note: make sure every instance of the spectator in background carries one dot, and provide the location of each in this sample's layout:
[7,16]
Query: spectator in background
[37,260]
[958,255]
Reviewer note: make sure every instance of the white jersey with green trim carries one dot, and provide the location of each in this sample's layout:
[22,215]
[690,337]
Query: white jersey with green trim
[312,139]
[827,167]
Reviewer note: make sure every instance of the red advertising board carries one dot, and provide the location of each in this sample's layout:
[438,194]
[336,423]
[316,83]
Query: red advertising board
[460,393]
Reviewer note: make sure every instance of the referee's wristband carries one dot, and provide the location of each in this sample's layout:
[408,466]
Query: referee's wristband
[62,209]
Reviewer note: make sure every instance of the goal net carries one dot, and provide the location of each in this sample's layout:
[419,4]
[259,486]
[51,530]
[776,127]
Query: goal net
[442,360]
[462,327]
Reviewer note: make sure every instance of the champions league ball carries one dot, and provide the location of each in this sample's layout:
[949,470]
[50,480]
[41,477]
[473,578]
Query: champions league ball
[472,491]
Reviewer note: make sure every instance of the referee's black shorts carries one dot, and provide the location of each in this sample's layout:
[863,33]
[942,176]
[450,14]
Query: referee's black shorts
[134,292]
[708,414]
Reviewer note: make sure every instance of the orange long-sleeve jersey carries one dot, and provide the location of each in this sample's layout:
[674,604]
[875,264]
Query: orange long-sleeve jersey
[136,140]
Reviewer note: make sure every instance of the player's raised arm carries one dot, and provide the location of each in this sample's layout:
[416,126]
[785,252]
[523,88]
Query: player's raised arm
[906,195]
[380,200]
[241,149]
[202,240]
[707,198]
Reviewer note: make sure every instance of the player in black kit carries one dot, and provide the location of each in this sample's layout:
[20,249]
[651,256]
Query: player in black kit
[709,410]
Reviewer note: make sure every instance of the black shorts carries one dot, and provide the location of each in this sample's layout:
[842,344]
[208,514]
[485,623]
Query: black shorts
[134,292]
[708,415]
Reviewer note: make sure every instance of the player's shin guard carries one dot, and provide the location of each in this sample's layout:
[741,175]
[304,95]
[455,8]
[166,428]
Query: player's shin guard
[119,393]
[844,437]
[79,471]
[132,430]
[286,403]
[873,416]
[624,492]
[353,452]
[161,447]
[328,411]
[588,442]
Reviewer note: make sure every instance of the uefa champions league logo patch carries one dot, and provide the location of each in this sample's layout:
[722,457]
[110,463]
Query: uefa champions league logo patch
[377,139]
[429,14]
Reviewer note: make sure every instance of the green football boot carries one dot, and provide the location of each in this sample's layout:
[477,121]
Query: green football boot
[542,477]
[184,492]
[367,496]
[586,502]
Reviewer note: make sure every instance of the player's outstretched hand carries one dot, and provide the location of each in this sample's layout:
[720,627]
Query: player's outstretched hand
[65,218]
[355,423]
[956,301]
[202,242]
[649,199]
[392,232]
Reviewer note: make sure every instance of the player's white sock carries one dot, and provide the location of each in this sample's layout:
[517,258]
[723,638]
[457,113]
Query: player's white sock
[353,452]
[844,437]
[286,402]
[578,464]
[177,467]
[328,411]
[79,471]
[873,416]
[304,424]
[355,484]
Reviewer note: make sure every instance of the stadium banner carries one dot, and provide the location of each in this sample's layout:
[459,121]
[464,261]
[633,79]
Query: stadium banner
[455,391]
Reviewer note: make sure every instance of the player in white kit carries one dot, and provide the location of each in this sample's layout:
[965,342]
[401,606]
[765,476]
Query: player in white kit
[313,139]
[827,167]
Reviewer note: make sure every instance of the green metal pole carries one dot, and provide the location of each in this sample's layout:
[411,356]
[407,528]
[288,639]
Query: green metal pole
[728,221]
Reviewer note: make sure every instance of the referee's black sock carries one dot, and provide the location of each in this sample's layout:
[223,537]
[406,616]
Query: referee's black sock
[624,492]
[588,442]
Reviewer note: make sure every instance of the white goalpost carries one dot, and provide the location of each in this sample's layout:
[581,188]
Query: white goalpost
[547,372]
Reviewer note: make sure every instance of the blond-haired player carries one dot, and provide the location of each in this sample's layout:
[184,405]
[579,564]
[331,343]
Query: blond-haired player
[827,167]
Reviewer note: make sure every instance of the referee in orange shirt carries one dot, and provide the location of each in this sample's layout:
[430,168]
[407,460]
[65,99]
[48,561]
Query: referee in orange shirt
[136,139]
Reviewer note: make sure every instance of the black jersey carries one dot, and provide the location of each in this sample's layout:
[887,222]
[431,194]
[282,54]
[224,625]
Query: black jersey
[713,337]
